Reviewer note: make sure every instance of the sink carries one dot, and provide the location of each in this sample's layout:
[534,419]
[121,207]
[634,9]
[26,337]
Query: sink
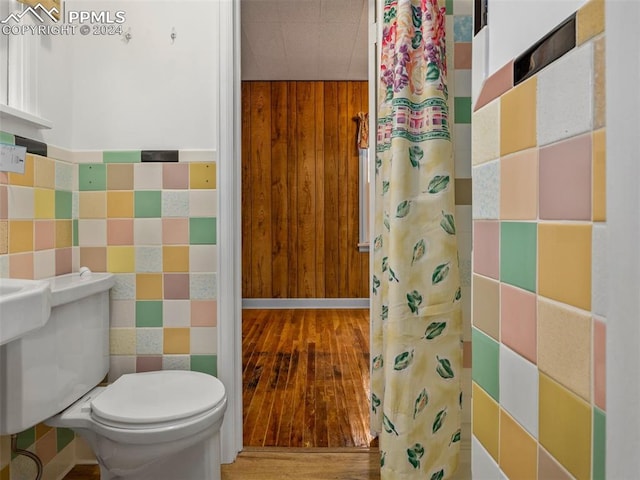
[25,305]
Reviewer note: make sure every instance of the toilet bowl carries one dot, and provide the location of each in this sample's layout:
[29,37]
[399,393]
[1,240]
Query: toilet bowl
[161,425]
[152,426]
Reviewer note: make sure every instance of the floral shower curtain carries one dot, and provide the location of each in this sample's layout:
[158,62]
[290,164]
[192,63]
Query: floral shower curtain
[416,346]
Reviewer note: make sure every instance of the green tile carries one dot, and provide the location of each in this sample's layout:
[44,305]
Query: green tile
[148,204]
[75,233]
[64,437]
[449,5]
[462,109]
[205,364]
[485,363]
[518,254]
[202,231]
[93,177]
[64,204]
[27,438]
[599,444]
[7,138]
[148,314]
[130,156]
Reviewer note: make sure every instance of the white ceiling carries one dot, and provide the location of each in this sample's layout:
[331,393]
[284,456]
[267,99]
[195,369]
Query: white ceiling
[304,39]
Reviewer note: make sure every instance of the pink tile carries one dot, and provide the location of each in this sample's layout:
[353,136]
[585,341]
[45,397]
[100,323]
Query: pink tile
[565,179]
[518,321]
[494,86]
[120,231]
[466,354]
[45,233]
[148,364]
[64,260]
[21,265]
[4,178]
[204,313]
[486,248]
[462,56]
[175,231]
[176,286]
[4,203]
[175,176]
[599,363]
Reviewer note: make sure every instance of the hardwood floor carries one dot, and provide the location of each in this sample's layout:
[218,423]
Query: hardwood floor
[306,378]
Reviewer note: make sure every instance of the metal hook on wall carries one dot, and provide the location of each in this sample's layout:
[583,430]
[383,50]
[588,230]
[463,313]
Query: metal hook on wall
[174,35]
[126,38]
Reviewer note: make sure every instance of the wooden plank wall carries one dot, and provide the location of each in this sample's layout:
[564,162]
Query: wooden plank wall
[300,190]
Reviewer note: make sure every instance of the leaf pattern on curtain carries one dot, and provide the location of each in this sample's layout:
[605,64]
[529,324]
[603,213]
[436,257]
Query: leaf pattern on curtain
[416,319]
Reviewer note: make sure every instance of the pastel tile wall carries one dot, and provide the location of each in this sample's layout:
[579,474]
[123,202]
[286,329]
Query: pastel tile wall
[151,224]
[539,308]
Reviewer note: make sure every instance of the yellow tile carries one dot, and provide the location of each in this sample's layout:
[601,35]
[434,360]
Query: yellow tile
[44,203]
[122,341]
[120,204]
[564,346]
[44,172]
[42,429]
[64,233]
[518,450]
[20,236]
[121,259]
[485,420]
[25,179]
[177,340]
[93,205]
[599,176]
[564,263]
[149,286]
[486,305]
[4,237]
[485,136]
[202,175]
[518,118]
[589,20]
[175,259]
[565,427]
[519,186]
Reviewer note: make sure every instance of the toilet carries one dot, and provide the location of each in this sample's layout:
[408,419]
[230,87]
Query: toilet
[162,425]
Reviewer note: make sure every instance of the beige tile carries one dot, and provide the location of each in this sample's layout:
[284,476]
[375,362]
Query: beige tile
[599,194]
[549,468]
[599,95]
[518,118]
[589,20]
[93,204]
[519,186]
[485,134]
[122,341]
[564,346]
[44,172]
[486,306]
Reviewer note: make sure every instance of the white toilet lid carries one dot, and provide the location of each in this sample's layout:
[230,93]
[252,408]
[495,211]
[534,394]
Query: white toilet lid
[156,397]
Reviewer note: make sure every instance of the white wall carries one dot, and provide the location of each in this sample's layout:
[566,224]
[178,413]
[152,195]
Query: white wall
[102,92]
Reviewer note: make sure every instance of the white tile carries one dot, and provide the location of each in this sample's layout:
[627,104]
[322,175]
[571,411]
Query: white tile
[466,313]
[21,202]
[75,259]
[479,62]
[462,83]
[483,466]
[485,133]
[149,341]
[203,258]
[462,150]
[176,362]
[147,176]
[147,231]
[204,340]
[120,365]
[123,313]
[44,264]
[149,259]
[203,203]
[92,233]
[176,313]
[175,203]
[486,191]
[125,287]
[599,270]
[75,204]
[4,266]
[203,286]
[565,96]
[464,222]
[463,7]
[58,153]
[466,395]
[87,156]
[519,389]
[64,176]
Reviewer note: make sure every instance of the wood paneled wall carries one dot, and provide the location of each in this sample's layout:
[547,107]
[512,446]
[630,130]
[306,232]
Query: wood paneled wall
[300,190]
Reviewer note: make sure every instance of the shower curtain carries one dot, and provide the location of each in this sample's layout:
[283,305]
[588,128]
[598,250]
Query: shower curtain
[416,350]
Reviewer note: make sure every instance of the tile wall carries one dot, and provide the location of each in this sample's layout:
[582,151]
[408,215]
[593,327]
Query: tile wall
[152,224]
[539,272]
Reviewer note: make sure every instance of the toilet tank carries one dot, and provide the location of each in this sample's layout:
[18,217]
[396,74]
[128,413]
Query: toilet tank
[48,369]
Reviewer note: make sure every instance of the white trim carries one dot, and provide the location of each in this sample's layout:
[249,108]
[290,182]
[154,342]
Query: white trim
[230,239]
[623,225]
[267,303]
[9,113]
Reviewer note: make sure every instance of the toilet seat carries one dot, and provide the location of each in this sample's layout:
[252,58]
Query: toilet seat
[157,399]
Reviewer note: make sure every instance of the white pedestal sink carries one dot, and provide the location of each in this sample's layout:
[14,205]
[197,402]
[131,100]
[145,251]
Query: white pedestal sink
[25,305]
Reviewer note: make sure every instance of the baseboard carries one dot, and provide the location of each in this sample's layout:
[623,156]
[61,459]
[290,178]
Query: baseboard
[268,303]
